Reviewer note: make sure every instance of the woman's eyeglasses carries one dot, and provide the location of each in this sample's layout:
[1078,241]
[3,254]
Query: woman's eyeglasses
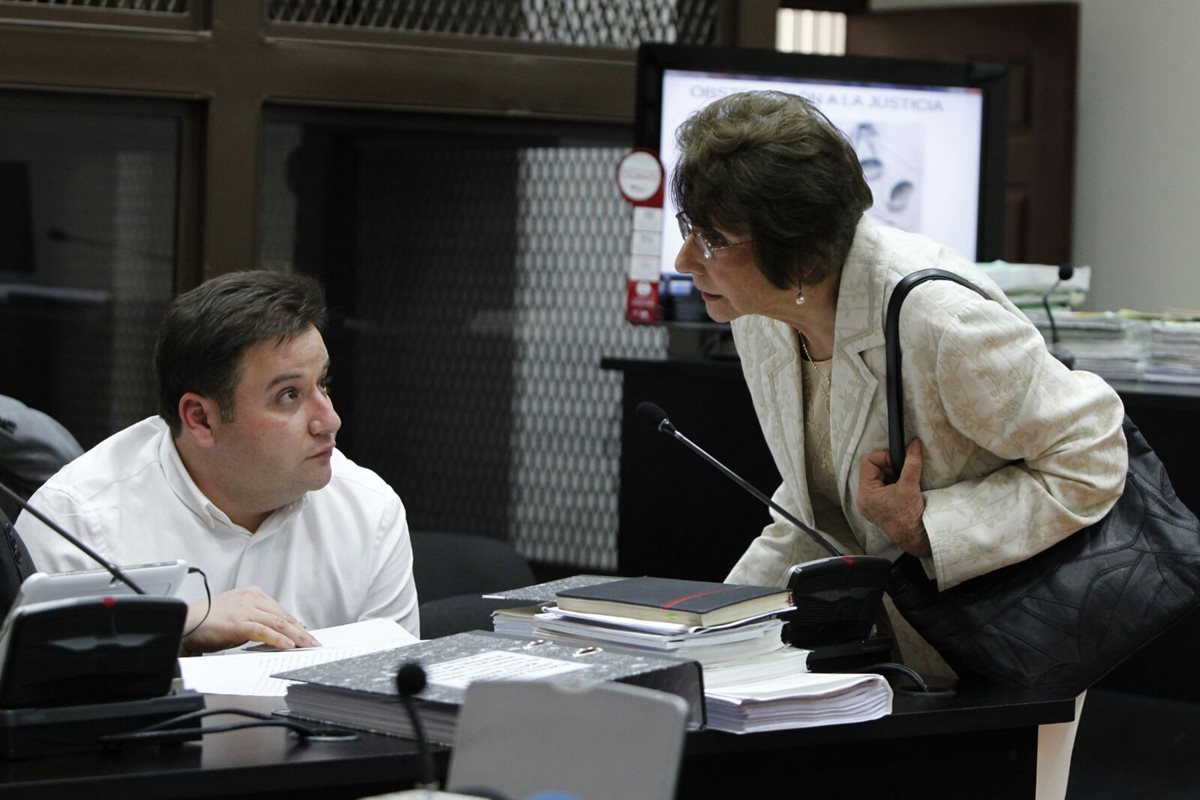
[709,243]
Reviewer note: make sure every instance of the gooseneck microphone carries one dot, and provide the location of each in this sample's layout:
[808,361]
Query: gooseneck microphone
[837,599]
[410,680]
[1065,271]
[112,568]
[656,418]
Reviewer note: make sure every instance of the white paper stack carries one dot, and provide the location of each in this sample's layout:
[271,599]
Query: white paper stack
[247,670]
[1174,352]
[1109,344]
[792,700]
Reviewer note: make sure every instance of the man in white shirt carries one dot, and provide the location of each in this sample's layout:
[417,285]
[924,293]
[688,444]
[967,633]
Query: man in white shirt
[239,476]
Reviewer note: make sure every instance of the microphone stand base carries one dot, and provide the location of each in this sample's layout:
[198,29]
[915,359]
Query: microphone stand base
[854,656]
[30,732]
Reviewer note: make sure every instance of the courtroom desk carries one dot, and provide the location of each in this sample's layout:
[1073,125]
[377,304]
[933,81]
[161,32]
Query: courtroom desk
[978,743]
[252,763]
[679,517]
[1169,417]
[985,741]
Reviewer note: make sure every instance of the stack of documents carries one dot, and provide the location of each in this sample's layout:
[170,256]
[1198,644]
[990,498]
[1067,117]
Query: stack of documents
[752,679]
[701,620]
[707,645]
[1174,351]
[1112,345]
[792,700]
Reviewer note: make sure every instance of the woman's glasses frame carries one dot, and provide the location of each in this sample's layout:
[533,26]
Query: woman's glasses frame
[686,229]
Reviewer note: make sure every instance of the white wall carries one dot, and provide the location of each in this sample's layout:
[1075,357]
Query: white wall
[1137,155]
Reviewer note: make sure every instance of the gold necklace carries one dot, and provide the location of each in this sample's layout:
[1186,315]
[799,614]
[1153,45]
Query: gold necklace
[808,357]
[805,349]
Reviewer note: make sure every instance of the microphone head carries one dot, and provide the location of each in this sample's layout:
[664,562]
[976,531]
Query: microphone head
[653,416]
[410,679]
[1065,271]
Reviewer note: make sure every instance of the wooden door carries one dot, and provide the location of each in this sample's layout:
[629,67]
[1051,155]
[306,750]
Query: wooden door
[1040,44]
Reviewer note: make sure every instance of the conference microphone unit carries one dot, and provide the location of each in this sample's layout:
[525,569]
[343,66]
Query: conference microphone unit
[77,669]
[837,598]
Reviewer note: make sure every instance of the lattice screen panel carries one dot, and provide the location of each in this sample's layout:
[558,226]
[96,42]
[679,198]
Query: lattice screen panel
[614,23]
[481,285]
[572,242]
[488,283]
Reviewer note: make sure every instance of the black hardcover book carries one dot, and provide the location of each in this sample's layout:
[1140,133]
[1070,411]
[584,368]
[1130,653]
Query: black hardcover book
[694,603]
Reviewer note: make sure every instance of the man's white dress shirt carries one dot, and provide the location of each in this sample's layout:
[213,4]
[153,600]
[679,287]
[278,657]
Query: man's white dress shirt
[338,555]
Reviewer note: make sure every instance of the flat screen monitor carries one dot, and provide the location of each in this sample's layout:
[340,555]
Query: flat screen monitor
[931,137]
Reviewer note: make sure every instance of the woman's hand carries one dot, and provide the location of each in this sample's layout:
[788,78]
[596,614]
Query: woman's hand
[895,507]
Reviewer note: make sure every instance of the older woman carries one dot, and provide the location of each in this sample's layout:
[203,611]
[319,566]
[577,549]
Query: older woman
[1011,451]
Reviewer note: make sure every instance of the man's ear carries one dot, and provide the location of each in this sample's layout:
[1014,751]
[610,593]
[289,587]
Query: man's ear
[198,414]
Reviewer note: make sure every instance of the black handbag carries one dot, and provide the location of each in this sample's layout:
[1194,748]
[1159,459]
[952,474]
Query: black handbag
[1062,618]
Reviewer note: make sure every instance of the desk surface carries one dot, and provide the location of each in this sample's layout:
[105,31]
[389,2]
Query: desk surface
[996,728]
[257,762]
[913,715]
[978,743]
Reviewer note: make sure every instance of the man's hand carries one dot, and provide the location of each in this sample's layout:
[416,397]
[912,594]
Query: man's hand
[239,616]
[895,507]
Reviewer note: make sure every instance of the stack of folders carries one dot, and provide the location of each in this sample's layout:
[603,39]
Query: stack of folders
[753,680]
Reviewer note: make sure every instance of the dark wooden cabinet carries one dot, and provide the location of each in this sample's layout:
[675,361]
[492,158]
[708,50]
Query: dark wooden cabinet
[680,517]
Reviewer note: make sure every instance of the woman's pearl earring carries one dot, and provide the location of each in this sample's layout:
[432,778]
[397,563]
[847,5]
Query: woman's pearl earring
[800,297]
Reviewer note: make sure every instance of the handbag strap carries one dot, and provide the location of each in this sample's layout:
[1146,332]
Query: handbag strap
[891,338]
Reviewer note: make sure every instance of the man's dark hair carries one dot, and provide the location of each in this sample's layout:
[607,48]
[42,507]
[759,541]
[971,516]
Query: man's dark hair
[770,166]
[205,332]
